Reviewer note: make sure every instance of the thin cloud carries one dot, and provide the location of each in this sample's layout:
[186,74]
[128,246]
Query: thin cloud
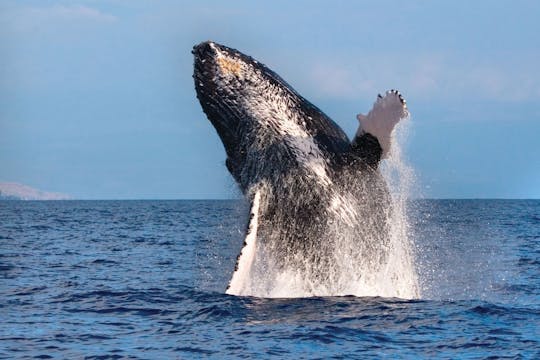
[21,19]
[427,77]
[75,12]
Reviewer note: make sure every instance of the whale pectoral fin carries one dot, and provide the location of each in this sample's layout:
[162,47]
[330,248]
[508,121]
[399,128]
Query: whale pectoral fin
[246,257]
[373,137]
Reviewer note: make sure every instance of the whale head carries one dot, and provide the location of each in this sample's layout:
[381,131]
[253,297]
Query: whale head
[218,74]
[244,100]
[234,90]
[254,111]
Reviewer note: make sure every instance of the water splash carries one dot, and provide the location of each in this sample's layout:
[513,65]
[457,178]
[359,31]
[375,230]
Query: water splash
[350,249]
[354,252]
[401,179]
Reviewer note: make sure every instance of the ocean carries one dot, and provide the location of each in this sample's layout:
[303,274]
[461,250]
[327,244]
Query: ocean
[147,280]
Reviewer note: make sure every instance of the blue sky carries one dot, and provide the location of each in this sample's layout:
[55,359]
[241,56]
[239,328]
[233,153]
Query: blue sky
[97,99]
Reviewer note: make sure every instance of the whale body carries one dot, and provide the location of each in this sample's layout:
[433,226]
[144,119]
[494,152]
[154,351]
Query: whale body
[311,189]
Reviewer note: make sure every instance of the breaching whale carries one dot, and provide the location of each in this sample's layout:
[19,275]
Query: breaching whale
[309,186]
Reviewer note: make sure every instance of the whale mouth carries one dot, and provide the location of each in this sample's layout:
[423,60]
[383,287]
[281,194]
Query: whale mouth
[205,67]
[211,90]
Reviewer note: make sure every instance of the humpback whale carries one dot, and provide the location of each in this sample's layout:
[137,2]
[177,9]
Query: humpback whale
[309,186]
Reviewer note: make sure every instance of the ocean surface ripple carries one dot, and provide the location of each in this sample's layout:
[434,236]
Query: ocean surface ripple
[146,280]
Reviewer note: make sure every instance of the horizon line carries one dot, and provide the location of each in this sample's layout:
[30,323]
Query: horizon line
[241,198]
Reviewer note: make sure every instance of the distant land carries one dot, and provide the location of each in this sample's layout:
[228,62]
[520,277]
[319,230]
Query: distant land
[14,191]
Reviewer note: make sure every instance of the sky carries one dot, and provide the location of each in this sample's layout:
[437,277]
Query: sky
[97,99]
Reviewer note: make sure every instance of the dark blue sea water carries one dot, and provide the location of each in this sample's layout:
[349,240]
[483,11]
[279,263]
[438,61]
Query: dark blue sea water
[146,280]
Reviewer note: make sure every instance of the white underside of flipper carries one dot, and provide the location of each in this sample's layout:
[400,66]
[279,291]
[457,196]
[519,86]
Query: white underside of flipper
[387,111]
[241,275]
